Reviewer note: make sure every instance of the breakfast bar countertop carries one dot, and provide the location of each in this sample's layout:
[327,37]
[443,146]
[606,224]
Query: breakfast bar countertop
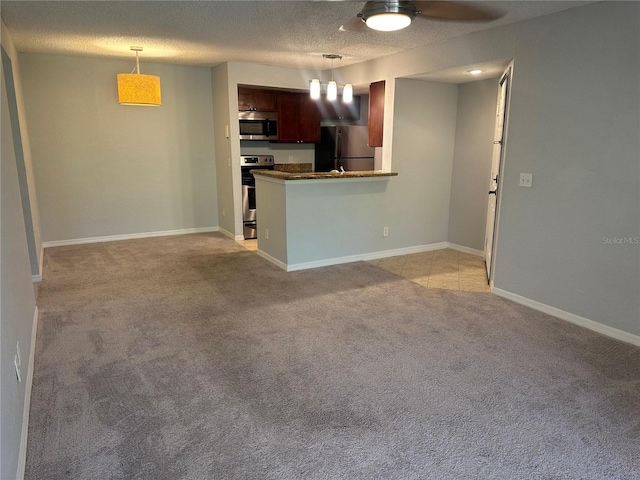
[323,175]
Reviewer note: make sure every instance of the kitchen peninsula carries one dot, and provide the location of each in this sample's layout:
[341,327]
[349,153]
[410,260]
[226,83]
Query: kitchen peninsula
[314,219]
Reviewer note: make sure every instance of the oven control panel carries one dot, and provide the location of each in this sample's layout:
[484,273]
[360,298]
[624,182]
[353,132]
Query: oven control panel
[256,160]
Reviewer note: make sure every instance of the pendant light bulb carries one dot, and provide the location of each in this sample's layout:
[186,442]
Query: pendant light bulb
[347,93]
[332,91]
[314,89]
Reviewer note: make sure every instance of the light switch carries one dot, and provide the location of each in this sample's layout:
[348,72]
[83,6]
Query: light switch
[526,180]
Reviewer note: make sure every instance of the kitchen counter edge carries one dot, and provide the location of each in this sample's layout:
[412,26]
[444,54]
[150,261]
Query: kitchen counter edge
[323,175]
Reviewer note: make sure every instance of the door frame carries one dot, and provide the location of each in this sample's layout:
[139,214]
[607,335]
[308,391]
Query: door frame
[508,77]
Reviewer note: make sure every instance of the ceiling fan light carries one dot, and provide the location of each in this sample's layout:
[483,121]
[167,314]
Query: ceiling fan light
[314,89]
[388,22]
[347,93]
[332,91]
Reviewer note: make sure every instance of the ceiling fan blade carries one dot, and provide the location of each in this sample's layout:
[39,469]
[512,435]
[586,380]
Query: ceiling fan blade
[354,24]
[456,11]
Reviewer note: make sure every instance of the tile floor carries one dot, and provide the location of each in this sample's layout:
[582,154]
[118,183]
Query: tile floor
[446,269]
[249,244]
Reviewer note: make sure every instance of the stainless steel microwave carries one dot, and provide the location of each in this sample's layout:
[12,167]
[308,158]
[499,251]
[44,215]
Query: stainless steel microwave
[258,125]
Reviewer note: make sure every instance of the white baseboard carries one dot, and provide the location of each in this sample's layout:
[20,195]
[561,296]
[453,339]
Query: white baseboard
[230,235]
[273,260]
[128,236]
[463,249]
[22,454]
[364,257]
[41,258]
[570,317]
[38,278]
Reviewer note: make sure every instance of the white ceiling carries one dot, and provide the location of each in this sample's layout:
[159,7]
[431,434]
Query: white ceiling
[205,33]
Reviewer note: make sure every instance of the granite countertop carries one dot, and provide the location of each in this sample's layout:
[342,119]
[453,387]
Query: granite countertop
[322,175]
[293,167]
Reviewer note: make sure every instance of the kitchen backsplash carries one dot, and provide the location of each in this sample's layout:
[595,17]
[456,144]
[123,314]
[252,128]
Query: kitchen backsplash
[282,152]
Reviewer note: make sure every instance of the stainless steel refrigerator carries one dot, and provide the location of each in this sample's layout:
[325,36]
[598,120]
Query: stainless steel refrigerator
[344,146]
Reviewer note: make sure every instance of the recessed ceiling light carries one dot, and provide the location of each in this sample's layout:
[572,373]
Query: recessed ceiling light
[475,71]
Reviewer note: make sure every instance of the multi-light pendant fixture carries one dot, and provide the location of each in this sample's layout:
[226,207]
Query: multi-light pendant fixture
[315,85]
[138,89]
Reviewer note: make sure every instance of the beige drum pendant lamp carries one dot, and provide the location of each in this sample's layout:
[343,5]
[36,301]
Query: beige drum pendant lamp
[138,89]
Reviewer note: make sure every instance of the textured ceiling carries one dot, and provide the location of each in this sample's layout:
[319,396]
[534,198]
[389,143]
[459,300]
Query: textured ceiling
[205,33]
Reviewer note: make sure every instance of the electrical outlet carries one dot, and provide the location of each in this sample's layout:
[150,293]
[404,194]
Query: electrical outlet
[290,158]
[526,180]
[266,234]
[224,212]
[385,232]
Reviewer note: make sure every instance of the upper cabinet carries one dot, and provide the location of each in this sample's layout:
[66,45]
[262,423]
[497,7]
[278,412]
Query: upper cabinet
[376,113]
[338,110]
[253,99]
[298,118]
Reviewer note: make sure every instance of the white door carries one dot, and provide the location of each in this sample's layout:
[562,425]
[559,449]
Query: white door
[496,163]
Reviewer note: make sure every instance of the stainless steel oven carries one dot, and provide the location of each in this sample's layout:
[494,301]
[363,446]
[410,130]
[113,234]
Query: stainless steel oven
[249,210]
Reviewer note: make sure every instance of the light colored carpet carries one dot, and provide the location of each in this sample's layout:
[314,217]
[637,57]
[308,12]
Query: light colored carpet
[192,358]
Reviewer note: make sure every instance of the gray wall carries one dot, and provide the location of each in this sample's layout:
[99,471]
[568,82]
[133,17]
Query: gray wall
[23,155]
[227,206]
[104,169]
[574,125]
[424,128]
[472,163]
[17,302]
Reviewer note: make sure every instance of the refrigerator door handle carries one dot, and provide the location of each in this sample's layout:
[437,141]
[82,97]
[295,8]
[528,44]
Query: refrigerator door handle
[339,144]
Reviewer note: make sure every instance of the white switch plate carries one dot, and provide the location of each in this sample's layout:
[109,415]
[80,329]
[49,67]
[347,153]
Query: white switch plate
[526,180]
[266,234]
[385,232]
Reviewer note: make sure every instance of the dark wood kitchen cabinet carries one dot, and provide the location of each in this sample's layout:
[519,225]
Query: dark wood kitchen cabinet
[298,118]
[376,113]
[254,99]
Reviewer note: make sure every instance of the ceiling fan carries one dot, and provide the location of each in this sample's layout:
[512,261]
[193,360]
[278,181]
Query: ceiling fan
[392,15]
